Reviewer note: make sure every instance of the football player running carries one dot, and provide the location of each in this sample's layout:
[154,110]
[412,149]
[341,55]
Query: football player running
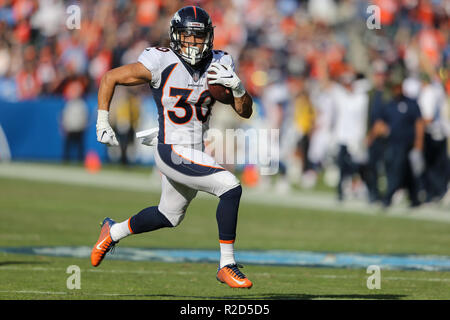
[178,77]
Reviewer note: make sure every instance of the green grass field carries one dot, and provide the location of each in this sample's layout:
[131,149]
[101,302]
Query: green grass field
[35,213]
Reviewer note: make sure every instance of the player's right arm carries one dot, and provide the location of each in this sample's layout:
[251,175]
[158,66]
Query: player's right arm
[128,75]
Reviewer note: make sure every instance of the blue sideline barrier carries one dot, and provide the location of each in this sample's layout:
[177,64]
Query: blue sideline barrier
[34,132]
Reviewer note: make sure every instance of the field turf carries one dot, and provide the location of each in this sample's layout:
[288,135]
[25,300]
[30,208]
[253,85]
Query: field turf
[35,213]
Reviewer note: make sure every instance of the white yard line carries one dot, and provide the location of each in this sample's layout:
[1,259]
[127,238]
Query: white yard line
[261,274]
[63,270]
[332,276]
[415,279]
[83,293]
[33,292]
[20,237]
[150,183]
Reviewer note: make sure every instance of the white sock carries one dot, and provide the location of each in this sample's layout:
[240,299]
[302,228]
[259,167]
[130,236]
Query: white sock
[120,230]
[226,254]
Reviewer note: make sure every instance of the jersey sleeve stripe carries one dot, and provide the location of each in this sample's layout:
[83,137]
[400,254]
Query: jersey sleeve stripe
[168,71]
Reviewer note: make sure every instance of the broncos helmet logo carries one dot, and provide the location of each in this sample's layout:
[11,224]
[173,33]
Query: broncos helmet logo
[176,17]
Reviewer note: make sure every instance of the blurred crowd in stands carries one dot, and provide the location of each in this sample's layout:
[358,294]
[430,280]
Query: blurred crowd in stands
[364,107]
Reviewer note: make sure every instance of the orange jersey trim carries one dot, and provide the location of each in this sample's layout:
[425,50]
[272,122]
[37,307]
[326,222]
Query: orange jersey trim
[199,164]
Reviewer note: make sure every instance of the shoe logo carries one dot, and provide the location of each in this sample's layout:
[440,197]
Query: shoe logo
[238,282]
[98,246]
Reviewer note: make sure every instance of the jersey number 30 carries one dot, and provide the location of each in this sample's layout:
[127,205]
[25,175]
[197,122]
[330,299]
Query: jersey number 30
[183,103]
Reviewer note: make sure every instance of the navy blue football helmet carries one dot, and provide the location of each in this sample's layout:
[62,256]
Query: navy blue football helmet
[191,21]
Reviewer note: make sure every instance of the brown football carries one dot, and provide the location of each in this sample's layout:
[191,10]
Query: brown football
[220,92]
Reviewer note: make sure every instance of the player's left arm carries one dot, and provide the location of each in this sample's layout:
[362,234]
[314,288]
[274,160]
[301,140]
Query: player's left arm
[243,105]
[225,75]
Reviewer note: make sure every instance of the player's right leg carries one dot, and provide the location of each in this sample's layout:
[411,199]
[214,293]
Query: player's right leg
[175,199]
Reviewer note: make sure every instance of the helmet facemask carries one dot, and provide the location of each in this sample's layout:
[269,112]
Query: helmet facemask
[188,49]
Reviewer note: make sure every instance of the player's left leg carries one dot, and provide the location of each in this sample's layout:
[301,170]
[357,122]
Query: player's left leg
[199,171]
[226,215]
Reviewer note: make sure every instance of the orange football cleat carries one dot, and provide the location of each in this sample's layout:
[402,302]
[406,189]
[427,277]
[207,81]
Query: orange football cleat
[104,243]
[232,276]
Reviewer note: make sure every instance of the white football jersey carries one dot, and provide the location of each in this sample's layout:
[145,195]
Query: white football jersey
[181,94]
